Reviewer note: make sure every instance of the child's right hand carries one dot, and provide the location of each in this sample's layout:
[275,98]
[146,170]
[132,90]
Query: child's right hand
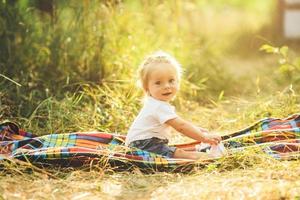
[212,139]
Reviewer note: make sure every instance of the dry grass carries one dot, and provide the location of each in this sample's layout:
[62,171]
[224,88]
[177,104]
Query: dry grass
[261,182]
[245,175]
[272,180]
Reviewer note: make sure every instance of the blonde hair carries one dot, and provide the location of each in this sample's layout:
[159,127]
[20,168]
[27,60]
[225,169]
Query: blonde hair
[156,57]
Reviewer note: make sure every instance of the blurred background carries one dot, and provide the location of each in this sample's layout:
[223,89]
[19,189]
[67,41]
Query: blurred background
[55,53]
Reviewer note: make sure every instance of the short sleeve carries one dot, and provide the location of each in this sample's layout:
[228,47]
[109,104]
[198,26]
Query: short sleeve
[165,112]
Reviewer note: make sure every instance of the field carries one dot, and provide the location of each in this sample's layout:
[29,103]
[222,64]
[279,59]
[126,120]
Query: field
[72,67]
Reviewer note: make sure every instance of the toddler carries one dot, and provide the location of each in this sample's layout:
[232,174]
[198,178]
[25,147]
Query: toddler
[160,76]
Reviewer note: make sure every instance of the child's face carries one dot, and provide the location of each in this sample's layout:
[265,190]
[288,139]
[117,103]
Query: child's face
[163,82]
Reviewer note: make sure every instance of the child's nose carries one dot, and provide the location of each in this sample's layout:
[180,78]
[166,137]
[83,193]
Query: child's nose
[167,85]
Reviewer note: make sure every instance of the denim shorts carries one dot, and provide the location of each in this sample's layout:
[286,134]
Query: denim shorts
[155,145]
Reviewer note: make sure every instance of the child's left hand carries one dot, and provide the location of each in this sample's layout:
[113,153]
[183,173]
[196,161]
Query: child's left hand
[212,139]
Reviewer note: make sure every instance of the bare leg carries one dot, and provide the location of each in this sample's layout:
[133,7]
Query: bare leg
[189,148]
[193,155]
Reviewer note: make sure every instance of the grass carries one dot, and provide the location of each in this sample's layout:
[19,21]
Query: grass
[252,177]
[52,56]
[247,175]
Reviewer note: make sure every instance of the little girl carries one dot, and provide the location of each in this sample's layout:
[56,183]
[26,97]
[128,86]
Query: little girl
[159,77]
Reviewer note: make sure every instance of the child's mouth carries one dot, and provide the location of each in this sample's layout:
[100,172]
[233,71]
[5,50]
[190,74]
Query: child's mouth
[167,94]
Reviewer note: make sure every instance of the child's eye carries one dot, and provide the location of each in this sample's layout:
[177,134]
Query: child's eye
[157,83]
[172,81]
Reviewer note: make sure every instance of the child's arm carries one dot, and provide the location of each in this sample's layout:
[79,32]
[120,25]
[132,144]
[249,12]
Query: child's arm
[192,131]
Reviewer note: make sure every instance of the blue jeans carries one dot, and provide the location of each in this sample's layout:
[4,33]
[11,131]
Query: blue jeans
[155,145]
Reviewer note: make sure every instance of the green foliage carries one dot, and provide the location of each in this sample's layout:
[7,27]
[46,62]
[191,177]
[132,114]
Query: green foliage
[110,108]
[289,66]
[94,42]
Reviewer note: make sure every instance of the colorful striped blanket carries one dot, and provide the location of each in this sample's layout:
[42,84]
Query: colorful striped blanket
[279,138]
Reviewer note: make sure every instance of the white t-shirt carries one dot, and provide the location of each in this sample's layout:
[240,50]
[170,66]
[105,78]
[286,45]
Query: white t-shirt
[150,122]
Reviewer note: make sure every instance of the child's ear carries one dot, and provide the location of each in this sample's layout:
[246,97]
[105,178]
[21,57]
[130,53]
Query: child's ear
[146,89]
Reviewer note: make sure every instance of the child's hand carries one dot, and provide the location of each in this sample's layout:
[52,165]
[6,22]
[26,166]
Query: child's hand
[212,139]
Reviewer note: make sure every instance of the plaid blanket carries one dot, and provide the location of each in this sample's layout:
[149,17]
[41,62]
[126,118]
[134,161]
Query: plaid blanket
[279,138]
